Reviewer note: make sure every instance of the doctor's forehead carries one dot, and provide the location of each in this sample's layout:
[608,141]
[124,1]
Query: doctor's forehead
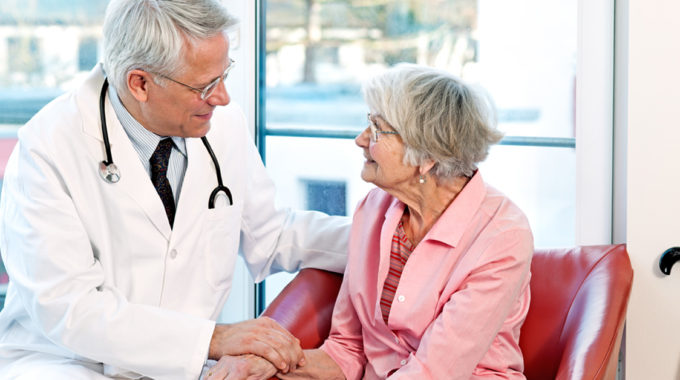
[209,54]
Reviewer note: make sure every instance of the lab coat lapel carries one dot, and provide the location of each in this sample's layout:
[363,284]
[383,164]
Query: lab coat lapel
[87,98]
[197,184]
[133,178]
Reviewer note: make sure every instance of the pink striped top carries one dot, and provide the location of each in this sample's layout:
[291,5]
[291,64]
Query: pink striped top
[401,250]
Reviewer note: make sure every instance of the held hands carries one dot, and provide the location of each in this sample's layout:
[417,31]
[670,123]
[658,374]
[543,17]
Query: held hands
[320,367]
[244,367]
[262,337]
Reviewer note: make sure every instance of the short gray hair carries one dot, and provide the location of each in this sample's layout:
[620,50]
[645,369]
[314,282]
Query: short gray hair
[437,116]
[150,34]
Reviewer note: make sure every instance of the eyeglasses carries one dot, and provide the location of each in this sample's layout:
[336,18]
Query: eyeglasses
[376,132]
[208,90]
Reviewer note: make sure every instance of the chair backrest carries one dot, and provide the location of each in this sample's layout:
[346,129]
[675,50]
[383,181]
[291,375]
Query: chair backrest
[572,331]
[578,306]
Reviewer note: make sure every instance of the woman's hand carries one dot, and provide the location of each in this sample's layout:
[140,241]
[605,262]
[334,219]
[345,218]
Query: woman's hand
[242,367]
[319,366]
[263,337]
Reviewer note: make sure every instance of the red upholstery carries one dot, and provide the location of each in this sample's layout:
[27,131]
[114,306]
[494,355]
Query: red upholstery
[574,326]
[305,306]
[578,306]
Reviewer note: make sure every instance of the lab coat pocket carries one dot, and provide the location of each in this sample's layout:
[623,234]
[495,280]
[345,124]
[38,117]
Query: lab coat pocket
[222,231]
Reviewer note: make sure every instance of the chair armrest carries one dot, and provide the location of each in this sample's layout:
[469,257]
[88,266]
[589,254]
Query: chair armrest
[305,306]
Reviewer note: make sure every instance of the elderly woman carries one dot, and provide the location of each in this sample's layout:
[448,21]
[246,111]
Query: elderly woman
[437,283]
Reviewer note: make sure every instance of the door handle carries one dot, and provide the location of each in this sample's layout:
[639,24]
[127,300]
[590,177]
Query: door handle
[668,258]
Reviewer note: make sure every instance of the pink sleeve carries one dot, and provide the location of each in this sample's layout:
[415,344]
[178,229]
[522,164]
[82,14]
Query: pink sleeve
[344,344]
[345,341]
[472,318]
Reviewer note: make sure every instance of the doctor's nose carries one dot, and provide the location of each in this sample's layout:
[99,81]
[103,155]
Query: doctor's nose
[219,97]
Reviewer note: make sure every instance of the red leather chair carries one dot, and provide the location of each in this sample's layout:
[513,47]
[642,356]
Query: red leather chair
[573,329]
[305,306]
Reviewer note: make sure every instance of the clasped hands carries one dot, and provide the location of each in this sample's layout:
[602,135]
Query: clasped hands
[254,349]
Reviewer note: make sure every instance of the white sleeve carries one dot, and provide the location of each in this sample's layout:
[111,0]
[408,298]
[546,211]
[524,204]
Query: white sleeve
[274,239]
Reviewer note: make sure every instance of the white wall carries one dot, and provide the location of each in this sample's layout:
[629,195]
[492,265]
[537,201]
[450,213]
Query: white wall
[594,122]
[653,90]
[241,82]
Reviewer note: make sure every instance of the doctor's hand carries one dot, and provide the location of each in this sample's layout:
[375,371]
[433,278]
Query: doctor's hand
[243,367]
[262,337]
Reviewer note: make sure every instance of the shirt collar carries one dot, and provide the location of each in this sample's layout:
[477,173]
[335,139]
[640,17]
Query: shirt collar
[143,140]
[453,222]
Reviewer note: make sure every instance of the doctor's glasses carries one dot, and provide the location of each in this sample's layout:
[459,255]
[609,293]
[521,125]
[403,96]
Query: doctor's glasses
[208,90]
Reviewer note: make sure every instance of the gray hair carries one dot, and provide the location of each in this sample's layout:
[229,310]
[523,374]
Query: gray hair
[150,34]
[437,116]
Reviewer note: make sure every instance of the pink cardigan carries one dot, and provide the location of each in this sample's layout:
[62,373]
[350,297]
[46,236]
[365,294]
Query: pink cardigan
[461,300]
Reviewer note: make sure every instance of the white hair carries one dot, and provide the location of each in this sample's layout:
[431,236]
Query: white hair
[150,34]
[437,116]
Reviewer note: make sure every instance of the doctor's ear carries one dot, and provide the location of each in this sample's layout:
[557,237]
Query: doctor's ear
[138,84]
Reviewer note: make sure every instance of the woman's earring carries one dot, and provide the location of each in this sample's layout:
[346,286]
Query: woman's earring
[421,179]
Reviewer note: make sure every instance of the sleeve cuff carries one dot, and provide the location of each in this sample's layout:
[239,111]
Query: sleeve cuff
[200,357]
[352,369]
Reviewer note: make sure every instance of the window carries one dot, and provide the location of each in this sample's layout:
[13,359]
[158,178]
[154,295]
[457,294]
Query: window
[24,57]
[87,53]
[326,196]
[315,55]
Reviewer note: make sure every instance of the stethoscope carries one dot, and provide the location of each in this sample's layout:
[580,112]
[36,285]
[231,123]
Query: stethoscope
[110,173]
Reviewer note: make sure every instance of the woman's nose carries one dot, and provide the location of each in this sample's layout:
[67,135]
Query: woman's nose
[364,138]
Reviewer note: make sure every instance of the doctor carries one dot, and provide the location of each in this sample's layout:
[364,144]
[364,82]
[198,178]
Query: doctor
[120,226]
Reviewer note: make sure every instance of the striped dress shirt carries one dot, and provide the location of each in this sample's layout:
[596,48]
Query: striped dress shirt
[145,142]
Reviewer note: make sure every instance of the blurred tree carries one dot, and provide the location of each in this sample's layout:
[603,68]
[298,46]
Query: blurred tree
[313,40]
[52,12]
[435,32]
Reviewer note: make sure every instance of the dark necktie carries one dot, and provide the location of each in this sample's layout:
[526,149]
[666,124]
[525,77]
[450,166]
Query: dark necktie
[159,168]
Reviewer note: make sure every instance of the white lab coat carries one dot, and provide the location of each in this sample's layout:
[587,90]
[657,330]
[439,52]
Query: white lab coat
[96,273]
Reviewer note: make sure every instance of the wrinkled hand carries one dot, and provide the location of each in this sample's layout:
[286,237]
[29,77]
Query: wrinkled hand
[243,367]
[320,367]
[262,337]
